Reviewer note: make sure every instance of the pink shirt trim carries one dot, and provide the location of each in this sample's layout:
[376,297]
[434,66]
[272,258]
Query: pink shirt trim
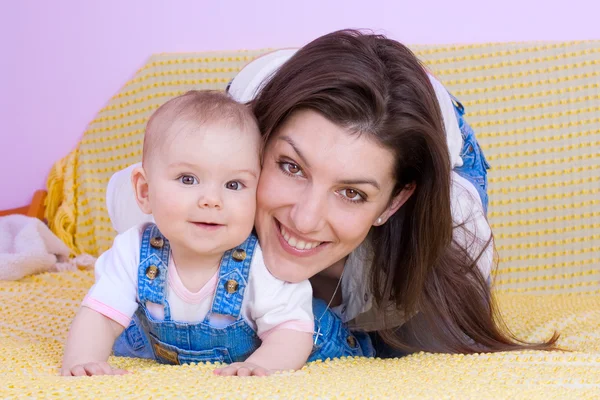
[297,325]
[107,311]
[186,295]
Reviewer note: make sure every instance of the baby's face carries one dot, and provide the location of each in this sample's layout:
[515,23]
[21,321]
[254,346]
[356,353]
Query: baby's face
[202,187]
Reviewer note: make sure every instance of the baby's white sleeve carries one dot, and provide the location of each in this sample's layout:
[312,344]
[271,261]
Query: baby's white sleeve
[276,304]
[114,294]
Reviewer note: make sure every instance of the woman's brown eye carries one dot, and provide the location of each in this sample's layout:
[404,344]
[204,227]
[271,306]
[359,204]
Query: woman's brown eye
[290,168]
[351,193]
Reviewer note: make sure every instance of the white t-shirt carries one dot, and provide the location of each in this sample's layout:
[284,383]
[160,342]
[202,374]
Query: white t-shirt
[453,133]
[269,304]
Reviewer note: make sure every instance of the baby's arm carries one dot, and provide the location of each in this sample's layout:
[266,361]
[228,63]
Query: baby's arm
[89,345]
[284,349]
[106,309]
[284,321]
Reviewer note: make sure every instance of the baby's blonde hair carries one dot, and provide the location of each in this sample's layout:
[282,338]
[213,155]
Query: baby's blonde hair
[191,111]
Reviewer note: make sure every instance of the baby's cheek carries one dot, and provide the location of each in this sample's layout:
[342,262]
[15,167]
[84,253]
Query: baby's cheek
[173,202]
[243,213]
[168,204]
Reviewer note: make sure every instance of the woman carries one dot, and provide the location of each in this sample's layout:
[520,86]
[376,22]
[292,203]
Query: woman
[357,194]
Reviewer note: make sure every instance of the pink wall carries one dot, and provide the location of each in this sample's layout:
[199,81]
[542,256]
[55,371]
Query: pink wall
[61,60]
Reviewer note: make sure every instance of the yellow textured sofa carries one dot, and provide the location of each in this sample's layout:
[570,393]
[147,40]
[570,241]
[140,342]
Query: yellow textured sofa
[536,110]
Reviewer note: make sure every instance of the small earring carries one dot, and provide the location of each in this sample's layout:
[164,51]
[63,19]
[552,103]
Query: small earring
[379,221]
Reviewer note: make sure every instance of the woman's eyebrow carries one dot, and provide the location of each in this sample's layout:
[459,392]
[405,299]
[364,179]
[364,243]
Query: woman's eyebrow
[361,181]
[289,140]
[371,182]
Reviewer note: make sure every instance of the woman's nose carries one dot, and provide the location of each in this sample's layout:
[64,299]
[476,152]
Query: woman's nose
[308,213]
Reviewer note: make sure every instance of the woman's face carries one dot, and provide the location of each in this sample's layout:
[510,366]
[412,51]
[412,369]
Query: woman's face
[320,191]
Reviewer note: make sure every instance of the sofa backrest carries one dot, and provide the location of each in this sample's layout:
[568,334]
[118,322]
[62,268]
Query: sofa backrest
[535,108]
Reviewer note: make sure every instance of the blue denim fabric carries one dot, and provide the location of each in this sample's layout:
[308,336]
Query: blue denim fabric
[334,339]
[384,350]
[174,342]
[475,166]
[133,342]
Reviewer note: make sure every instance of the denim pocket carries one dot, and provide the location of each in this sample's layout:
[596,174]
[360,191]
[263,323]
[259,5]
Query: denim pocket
[132,342]
[218,354]
[168,354]
[134,336]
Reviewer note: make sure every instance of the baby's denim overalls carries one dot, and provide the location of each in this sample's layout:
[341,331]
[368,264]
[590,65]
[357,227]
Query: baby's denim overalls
[174,342]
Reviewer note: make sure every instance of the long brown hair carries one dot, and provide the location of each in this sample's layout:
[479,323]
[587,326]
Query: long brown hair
[372,85]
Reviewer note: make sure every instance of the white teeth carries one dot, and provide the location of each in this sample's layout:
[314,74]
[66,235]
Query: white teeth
[296,243]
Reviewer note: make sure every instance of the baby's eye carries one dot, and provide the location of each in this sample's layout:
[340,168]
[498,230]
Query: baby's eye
[188,180]
[234,185]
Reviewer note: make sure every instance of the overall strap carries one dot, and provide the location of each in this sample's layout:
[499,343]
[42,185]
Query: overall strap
[152,272]
[233,278]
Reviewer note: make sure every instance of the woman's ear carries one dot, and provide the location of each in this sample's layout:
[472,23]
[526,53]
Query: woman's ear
[397,202]
[140,187]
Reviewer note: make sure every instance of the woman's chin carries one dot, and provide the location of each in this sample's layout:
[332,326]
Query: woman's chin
[288,272]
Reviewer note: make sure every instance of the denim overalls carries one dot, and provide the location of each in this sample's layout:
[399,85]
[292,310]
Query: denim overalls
[174,342]
[475,166]
[334,339]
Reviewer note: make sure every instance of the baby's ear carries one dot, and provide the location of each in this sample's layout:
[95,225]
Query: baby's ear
[140,187]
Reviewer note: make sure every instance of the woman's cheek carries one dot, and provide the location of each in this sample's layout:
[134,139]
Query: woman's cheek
[352,222]
[273,189]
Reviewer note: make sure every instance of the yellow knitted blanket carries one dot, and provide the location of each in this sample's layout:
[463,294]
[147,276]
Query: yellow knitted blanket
[35,314]
[535,108]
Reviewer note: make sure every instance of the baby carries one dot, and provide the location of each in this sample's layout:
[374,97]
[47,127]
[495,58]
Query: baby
[193,287]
